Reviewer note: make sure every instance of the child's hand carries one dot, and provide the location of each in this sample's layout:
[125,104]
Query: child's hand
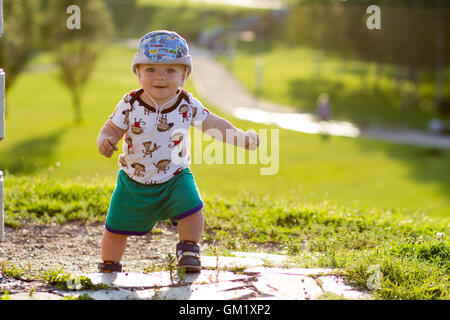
[251,140]
[107,147]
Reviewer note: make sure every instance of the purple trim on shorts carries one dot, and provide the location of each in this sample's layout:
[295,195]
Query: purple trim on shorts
[187,213]
[128,233]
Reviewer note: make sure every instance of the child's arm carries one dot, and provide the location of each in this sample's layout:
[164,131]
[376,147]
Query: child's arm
[249,140]
[108,138]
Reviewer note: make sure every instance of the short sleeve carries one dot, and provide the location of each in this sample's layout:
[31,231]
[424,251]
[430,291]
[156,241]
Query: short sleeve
[120,114]
[200,113]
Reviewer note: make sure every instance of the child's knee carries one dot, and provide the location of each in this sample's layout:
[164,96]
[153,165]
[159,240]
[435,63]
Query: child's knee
[194,221]
[196,217]
[111,236]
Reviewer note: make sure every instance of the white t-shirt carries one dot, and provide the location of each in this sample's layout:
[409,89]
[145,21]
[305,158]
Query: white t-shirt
[147,161]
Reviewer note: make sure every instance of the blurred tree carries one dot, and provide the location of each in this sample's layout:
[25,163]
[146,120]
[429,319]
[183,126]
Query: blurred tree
[20,34]
[76,49]
[413,37]
[442,55]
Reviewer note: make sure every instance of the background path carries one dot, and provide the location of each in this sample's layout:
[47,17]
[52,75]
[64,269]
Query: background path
[221,89]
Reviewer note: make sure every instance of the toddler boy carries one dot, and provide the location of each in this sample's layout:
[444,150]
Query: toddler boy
[154,181]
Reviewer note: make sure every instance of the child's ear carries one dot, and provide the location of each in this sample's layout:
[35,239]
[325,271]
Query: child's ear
[185,75]
[138,73]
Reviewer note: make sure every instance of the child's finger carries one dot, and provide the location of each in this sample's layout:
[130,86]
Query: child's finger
[252,140]
[105,152]
[107,146]
[113,144]
[256,145]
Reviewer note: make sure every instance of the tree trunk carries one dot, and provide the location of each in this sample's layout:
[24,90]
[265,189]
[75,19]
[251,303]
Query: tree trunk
[398,75]
[404,91]
[440,63]
[377,75]
[414,76]
[78,117]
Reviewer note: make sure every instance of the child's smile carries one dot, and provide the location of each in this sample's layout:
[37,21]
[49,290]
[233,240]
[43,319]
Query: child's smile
[161,81]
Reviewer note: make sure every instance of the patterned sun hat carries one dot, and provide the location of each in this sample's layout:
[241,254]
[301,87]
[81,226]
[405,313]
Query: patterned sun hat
[162,47]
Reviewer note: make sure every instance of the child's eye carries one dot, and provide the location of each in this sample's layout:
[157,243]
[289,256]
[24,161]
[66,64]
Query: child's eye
[171,70]
[150,69]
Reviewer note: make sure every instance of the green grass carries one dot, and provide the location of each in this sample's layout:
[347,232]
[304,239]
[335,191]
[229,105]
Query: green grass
[54,277]
[343,203]
[66,281]
[42,139]
[293,77]
[413,264]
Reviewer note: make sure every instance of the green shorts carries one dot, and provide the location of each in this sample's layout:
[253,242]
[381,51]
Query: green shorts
[135,208]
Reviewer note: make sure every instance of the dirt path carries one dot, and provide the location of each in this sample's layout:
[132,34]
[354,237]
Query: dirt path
[75,247]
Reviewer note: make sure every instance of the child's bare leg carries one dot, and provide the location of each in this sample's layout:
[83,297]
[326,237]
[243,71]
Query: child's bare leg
[113,246]
[191,227]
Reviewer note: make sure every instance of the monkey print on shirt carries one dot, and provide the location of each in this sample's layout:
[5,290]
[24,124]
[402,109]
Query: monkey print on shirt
[156,153]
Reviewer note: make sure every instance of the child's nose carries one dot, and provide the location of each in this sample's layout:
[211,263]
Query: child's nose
[159,75]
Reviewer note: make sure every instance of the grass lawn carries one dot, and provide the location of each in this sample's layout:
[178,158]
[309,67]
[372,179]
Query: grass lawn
[41,138]
[411,258]
[342,202]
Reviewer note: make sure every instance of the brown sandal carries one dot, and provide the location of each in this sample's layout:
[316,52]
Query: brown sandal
[109,266]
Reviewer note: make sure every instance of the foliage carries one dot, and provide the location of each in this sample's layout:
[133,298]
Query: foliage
[76,60]
[20,36]
[361,92]
[410,43]
[51,200]
[10,270]
[409,3]
[436,253]
[411,37]
[188,19]
[401,277]
[5,295]
[66,281]
[77,50]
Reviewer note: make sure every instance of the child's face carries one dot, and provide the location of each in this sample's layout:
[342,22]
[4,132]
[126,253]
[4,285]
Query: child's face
[161,81]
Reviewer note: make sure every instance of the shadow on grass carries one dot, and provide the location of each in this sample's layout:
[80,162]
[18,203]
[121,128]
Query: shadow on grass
[28,156]
[425,164]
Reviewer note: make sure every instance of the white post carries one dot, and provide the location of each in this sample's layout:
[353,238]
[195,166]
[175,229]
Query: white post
[1,17]
[1,206]
[2,103]
[2,126]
